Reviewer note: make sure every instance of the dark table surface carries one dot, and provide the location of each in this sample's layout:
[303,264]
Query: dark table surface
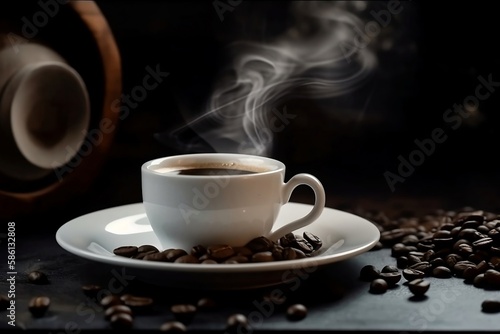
[336,299]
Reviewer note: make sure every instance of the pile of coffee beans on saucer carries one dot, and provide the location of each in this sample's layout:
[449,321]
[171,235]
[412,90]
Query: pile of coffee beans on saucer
[261,249]
[463,244]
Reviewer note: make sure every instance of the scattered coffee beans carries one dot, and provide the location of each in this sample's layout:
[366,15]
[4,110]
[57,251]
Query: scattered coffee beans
[206,303]
[121,320]
[368,273]
[110,300]
[183,312]
[38,277]
[38,306]
[237,323]
[378,286]
[137,303]
[296,312]
[490,306]
[91,290]
[126,251]
[173,327]
[419,286]
[115,309]
[260,249]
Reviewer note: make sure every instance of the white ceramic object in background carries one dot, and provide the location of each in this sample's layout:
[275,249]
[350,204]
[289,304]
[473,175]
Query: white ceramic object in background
[189,210]
[44,111]
[344,235]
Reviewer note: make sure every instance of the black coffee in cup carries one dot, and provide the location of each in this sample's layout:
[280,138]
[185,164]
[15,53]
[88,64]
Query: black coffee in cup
[211,169]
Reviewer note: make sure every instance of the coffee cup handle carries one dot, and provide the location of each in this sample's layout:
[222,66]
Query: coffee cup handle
[319,203]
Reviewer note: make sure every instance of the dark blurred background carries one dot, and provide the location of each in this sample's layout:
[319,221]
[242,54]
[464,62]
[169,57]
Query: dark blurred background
[429,57]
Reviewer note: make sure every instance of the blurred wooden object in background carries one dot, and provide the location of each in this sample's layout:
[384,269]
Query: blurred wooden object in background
[79,32]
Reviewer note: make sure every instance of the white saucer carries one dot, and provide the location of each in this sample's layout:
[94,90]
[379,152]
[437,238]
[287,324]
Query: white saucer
[94,236]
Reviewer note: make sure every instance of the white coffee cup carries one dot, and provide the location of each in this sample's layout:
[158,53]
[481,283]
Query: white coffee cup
[187,210]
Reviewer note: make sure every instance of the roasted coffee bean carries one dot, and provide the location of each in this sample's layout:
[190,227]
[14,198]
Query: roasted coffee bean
[141,256]
[470,273]
[428,255]
[465,250]
[277,252]
[492,277]
[479,281]
[422,247]
[410,240]
[392,278]
[422,266]
[237,323]
[39,305]
[263,257]
[198,251]
[173,327]
[468,234]
[389,269]
[173,254]
[402,262]
[208,261]
[260,244]
[147,248]
[155,256]
[490,306]
[483,243]
[412,259]
[296,312]
[412,274]
[91,290]
[188,258]
[38,277]
[110,300]
[4,302]
[303,245]
[314,240]
[237,259]
[483,229]
[460,267]
[206,303]
[419,286]
[442,272]
[136,302]
[220,252]
[121,321]
[287,240]
[290,253]
[183,312]
[494,234]
[299,254]
[399,249]
[442,234]
[452,259]
[378,286]
[437,262]
[443,242]
[395,235]
[368,273]
[115,309]
[126,251]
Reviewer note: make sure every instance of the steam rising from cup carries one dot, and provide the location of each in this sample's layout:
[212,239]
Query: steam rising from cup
[310,60]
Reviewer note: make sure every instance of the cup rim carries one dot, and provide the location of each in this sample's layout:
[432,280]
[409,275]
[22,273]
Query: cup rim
[145,168]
